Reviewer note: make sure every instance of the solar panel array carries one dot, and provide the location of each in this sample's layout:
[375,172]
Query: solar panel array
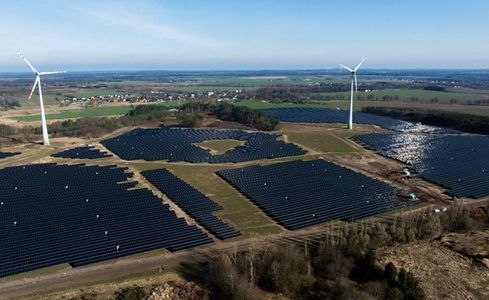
[326,115]
[459,163]
[7,154]
[302,193]
[52,214]
[82,152]
[190,200]
[178,144]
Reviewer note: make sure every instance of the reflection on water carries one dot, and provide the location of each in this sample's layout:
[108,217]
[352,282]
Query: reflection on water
[457,162]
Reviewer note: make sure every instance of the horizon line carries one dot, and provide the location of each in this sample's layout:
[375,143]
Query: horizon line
[259,70]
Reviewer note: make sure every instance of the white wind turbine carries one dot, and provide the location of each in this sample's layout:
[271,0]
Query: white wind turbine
[37,82]
[354,84]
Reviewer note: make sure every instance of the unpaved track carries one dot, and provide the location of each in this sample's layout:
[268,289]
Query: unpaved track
[132,265]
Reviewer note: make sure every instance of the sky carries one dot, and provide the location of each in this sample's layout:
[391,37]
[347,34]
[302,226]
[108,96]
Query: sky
[243,35]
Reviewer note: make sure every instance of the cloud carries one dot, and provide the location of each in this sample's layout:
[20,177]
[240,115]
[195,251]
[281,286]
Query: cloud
[142,22]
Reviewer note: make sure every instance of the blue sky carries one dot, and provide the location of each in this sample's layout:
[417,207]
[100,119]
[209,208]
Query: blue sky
[251,34]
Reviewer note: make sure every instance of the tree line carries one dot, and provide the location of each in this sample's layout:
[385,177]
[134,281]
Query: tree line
[192,112]
[190,115]
[89,127]
[7,102]
[342,265]
[461,121]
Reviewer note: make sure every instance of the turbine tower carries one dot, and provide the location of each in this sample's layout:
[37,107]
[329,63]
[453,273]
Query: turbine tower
[354,84]
[37,82]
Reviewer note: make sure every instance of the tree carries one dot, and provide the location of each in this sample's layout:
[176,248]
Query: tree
[189,119]
[430,227]
[390,273]
[394,294]
[379,236]
[131,293]
[402,279]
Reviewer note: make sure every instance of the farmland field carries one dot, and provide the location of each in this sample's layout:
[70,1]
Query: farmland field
[482,110]
[78,113]
[99,111]
[408,94]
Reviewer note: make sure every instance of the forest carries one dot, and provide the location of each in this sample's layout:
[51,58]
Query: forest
[464,122]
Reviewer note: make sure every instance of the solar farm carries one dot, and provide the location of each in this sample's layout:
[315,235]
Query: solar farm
[176,144]
[193,202]
[84,152]
[7,154]
[137,191]
[304,193]
[52,214]
[459,163]
[326,115]
[70,212]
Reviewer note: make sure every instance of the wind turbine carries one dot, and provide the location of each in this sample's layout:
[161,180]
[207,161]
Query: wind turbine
[37,82]
[354,84]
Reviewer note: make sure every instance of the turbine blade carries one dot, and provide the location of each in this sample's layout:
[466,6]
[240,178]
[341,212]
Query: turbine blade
[345,67]
[53,72]
[358,66]
[27,62]
[34,87]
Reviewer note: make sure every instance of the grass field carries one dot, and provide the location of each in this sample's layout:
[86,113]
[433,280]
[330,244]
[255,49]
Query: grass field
[321,142]
[237,210]
[37,272]
[220,146]
[324,139]
[407,94]
[78,113]
[48,99]
[99,111]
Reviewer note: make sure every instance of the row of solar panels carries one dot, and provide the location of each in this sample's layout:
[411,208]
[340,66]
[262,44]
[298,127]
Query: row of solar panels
[326,115]
[8,154]
[303,193]
[178,144]
[52,214]
[193,202]
[459,163]
[83,152]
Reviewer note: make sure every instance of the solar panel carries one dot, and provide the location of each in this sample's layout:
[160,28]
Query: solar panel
[326,115]
[8,154]
[190,200]
[302,193]
[178,144]
[82,152]
[52,214]
[459,163]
